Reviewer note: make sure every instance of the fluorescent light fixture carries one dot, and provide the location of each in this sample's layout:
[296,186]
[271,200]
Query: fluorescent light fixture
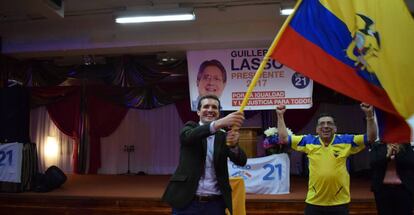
[286,11]
[178,14]
[166,18]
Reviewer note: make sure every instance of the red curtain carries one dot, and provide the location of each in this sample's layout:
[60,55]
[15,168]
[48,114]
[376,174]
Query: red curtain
[65,114]
[103,117]
[65,111]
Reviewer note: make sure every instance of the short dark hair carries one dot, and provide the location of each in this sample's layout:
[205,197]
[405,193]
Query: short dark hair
[215,63]
[209,96]
[326,115]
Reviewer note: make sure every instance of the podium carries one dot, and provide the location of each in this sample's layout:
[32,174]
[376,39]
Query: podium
[248,140]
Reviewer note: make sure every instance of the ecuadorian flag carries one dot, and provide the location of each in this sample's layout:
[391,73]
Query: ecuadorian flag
[361,48]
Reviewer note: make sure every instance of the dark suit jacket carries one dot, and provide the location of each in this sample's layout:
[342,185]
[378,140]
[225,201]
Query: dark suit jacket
[184,182]
[404,162]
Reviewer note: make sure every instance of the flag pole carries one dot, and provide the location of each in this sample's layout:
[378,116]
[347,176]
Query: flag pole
[265,59]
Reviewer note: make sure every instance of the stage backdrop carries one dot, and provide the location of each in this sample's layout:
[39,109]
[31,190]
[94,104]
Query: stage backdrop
[156,145]
[277,85]
[159,154]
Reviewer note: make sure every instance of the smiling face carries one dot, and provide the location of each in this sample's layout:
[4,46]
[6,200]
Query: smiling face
[209,110]
[211,82]
[326,128]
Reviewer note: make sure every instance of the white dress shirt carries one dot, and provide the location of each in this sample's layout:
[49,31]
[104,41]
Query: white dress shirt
[207,185]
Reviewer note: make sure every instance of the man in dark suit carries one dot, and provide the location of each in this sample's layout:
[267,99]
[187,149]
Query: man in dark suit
[200,184]
[392,171]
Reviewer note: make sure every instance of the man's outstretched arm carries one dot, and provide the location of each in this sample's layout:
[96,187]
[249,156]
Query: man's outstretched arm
[371,125]
[281,126]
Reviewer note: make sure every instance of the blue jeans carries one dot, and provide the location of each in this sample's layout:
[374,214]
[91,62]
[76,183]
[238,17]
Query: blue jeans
[215,207]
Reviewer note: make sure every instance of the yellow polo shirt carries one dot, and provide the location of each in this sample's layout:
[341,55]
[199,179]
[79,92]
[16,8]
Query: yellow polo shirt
[328,176]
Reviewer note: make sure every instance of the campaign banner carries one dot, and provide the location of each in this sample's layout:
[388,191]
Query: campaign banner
[264,175]
[11,162]
[227,73]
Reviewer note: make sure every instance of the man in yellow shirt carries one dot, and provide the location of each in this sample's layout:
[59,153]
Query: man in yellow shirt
[328,187]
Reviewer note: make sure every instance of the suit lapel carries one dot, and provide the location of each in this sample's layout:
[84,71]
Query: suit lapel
[204,143]
[204,146]
[217,146]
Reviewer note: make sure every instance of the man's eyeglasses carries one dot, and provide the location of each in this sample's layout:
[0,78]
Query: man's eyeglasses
[211,78]
[328,123]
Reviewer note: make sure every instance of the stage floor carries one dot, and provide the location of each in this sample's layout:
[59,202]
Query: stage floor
[133,194]
[152,187]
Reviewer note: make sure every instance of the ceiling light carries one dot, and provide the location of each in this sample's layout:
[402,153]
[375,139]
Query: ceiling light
[166,15]
[286,11]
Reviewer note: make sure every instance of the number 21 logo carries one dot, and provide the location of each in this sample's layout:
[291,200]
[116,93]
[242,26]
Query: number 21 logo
[4,155]
[300,81]
[269,175]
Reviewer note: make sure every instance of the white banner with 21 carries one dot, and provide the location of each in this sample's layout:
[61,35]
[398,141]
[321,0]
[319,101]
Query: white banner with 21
[264,175]
[11,162]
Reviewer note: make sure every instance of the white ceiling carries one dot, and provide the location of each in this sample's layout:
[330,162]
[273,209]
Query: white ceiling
[31,29]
